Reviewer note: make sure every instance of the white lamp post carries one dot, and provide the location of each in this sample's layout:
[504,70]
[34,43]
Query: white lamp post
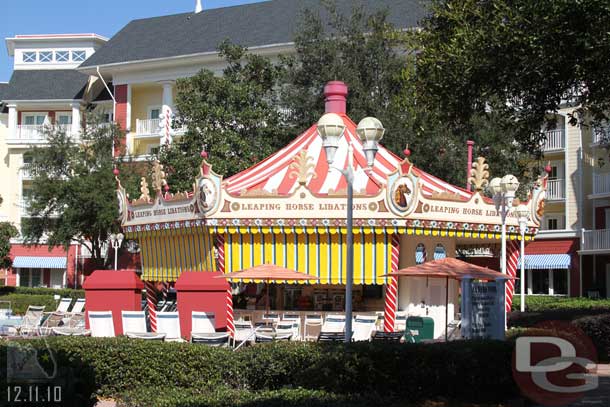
[503,190]
[522,213]
[116,240]
[370,130]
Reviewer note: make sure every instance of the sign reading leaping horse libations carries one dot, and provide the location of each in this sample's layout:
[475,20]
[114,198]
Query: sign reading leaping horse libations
[483,309]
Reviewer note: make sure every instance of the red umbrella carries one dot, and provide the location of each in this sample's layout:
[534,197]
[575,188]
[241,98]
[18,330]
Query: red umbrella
[268,273]
[449,268]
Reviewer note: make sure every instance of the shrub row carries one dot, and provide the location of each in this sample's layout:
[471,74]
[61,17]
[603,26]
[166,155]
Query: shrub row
[63,292]
[119,367]
[20,302]
[540,303]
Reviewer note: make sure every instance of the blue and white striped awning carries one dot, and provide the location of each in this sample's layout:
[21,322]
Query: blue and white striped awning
[546,261]
[34,262]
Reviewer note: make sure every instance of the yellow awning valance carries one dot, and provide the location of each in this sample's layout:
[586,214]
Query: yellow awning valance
[165,255]
[319,255]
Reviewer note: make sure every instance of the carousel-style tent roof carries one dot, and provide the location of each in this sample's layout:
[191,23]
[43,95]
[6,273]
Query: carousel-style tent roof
[276,174]
[449,268]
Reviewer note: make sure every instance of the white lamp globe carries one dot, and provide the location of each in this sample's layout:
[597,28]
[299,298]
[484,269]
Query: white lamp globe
[522,212]
[494,186]
[330,128]
[509,183]
[371,131]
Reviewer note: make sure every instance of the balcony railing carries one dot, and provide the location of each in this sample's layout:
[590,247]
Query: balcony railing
[554,140]
[601,184]
[150,127]
[26,171]
[598,239]
[34,133]
[556,190]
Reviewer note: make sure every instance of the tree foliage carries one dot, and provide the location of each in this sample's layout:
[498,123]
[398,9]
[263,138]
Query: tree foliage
[234,117]
[73,198]
[7,232]
[533,56]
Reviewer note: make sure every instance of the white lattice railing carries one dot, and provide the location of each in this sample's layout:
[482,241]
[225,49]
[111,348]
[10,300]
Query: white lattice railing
[598,239]
[554,140]
[148,126]
[556,189]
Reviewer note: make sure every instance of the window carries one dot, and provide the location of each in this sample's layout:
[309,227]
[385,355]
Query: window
[78,56]
[106,118]
[154,113]
[553,173]
[547,282]
[62,56]
[439,252]
[372,291]
[560,282]
[29,57]
[34,119]
[540,282]
[420,254]
[552,224]
[64,119]
[45,56]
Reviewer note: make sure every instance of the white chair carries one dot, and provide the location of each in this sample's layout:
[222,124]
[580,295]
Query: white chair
[244,331]
[64,305]
[400,322]
[203,329]
[168,323]
[271,318]
[364,327]
[30,324]
[334,323]
[289,327]
[134,326]
[313,326]
[101,323]
[78,306]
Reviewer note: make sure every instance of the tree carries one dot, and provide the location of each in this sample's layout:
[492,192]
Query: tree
[234,117]
[73,198]
[7,232]
[533,56]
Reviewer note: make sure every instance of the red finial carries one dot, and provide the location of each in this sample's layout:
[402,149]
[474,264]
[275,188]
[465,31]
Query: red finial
[548,168]
[407,151]
[204,154]
[166,188]
[116,172]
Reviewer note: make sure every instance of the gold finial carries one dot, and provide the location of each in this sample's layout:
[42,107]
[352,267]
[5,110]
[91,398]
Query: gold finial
[479,174]
[303,166]
[145,193]
[158,177]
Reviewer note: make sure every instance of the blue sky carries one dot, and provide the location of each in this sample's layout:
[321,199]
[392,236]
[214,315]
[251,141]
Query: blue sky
[78,16]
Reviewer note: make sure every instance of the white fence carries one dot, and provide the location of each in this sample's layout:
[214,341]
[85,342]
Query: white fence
[596,239]
[556,189]
[554,140]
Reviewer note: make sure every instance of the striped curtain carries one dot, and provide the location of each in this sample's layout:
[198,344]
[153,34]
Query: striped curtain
[166,254]
[322,254]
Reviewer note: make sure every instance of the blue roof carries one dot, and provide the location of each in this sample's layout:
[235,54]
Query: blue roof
[39,262]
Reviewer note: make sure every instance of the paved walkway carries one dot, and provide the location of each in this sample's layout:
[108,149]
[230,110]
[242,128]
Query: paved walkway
[600,396]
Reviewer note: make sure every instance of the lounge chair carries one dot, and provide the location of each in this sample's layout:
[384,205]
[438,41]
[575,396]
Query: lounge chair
[203,330]
[74,326]
[79,306]
[292,327]
[313,326]
[53,320]
[30,324]
[168,323]
[101,324]
[244,332]
[64,305]
[134,326]
[400,322]
[331,337]
[364,327]
[271,318]
[263,338]
[334,323]
[388,336]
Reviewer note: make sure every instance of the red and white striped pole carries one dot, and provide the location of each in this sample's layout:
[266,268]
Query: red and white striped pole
[391,292]
[512,262]
[151,302]
[220,250]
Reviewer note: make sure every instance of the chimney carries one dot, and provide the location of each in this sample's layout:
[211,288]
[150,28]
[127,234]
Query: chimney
[335,93]
[198,7]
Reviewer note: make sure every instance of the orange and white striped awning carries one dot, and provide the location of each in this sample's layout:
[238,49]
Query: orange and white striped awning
[274,174]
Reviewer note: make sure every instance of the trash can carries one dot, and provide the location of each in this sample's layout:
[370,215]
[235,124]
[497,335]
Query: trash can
[421,328]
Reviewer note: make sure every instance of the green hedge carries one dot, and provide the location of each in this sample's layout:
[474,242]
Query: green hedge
[321,373]
[63,292]
[540,303]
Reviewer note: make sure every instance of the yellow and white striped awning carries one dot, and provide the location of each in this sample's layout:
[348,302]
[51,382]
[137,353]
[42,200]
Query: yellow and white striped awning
[322,255]
[166,254]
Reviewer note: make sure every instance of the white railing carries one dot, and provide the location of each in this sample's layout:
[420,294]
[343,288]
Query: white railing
[148,126]
[553,140]
[556,189]
[26,171]
[601,184]
[598,239]
[30,132]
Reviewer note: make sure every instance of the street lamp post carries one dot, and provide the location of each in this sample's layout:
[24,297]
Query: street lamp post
[116,240]
[370,130]
[522,213]
[503,190]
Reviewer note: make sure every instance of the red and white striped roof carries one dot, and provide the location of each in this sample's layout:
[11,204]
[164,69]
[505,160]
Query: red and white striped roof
[275,175]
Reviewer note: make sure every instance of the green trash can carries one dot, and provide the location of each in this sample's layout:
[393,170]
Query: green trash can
[421,328]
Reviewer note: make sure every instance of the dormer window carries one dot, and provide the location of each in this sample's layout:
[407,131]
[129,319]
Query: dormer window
[45,56]
[29,57]
[62,56]
[78,56]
